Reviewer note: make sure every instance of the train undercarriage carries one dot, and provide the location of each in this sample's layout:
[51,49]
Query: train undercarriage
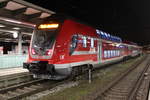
[43,70]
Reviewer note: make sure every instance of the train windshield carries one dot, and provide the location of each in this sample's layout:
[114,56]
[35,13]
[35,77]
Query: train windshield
[43,39]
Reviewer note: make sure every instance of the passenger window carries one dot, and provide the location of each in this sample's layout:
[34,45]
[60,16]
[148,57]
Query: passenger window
[115,52]
[109,54]
[105,54]
[84,42]
[73,44]
[92,43]
[118,53]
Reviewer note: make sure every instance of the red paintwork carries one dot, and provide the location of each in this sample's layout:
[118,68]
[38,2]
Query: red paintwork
[62,45]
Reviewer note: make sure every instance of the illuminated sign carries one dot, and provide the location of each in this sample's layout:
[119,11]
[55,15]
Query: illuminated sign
[48,26]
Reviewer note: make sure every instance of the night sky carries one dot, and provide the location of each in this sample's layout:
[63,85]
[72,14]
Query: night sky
[129,19]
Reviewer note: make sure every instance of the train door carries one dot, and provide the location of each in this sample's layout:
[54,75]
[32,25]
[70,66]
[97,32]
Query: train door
[99,51]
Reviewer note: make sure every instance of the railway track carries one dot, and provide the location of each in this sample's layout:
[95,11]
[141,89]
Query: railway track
[12,79]
[17,92]
[126,86]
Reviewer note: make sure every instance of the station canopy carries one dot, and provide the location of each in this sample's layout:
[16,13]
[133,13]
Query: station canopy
[20,16]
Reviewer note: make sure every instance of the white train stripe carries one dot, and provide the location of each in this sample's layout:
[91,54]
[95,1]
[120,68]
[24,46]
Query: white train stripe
[58,66]
[68,65]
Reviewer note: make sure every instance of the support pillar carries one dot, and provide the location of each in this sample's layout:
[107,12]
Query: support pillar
[19,43]
[89,73]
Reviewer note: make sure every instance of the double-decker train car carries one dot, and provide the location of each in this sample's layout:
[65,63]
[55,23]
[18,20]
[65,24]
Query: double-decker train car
[59,49]
[132,49]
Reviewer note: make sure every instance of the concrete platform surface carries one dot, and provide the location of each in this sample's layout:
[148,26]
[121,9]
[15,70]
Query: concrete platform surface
[9,71]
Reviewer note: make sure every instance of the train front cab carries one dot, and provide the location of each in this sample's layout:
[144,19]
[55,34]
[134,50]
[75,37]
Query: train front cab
[41,59]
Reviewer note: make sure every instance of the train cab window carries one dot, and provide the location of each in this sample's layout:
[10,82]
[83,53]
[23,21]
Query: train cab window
[84,42]
[73,44]
[43,40]
[92,43]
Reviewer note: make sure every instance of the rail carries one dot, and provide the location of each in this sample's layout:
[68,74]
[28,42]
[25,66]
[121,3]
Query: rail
[20,91]
[121,89]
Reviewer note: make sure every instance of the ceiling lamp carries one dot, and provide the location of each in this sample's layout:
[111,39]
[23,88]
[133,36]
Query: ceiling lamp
[1,25]
[15,34]
[16,28]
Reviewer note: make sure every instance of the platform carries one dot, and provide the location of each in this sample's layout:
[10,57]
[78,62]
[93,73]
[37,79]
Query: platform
[12,60]
[9,71]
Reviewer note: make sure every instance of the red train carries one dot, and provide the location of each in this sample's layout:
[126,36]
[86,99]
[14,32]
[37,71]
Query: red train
[62,48]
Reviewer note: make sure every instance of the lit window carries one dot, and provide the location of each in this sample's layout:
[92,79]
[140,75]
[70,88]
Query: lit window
[73,44]
[92,43]
[84,42]
[105,54]
[111,53]
[108,53]
[116,53]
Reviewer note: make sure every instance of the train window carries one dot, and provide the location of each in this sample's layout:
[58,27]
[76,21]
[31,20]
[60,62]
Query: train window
[73,44]
[108,53]
[84,42]
[92,43]
[105,54]
[113,53]
[43,40]
[116,53]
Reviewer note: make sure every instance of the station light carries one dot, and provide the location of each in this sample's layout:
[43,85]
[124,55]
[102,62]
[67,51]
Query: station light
[15,34]
[17,22]
[48,26]
[16,28]
[2,25]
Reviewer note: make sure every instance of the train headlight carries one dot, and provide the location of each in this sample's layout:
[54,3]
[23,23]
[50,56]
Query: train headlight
[33,51]
[49,52]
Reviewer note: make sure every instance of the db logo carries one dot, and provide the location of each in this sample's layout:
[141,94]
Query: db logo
[62,56]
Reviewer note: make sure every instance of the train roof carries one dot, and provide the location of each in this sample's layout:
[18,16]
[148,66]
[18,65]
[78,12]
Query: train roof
[60,17]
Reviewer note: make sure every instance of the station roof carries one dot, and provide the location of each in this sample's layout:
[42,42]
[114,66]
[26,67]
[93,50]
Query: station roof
[19,15]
